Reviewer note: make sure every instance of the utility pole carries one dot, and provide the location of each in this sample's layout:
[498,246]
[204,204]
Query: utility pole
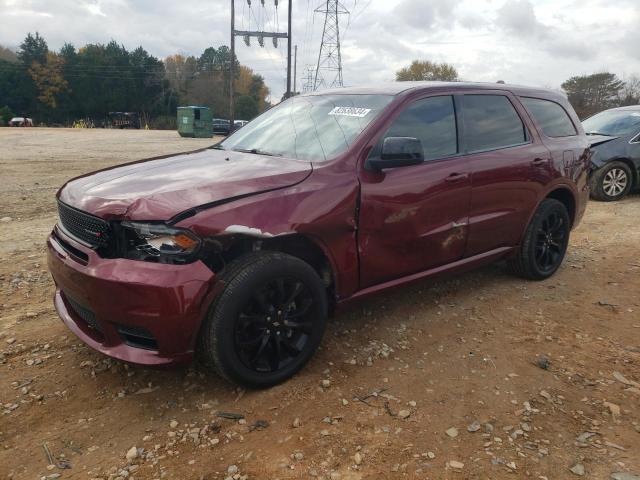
[289,50]
[295,67]
[231,64]
[329,58]
[260,35]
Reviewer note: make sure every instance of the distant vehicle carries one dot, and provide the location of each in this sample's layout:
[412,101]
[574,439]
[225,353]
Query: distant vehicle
[123,120]
[238,252]
[221,126]
[615,141]
[21,122]
[237,124]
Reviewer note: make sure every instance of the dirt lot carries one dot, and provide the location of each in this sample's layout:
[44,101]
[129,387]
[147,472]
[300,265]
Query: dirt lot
[440,380]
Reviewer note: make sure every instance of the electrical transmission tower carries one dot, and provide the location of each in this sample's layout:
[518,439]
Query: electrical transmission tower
[329,68]
[307,86]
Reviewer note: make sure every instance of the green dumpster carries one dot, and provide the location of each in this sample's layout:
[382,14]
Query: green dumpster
[195,121]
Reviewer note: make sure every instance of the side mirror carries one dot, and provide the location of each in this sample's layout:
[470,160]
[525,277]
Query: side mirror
[398,152]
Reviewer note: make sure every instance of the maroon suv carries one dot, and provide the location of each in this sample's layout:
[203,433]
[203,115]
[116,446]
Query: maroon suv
[239,251]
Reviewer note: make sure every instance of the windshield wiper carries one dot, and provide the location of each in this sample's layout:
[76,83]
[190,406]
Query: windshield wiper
[256,151]
[217,146]
[598,133]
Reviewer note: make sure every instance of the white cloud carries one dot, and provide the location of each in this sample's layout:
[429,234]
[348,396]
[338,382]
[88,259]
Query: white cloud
[536,42]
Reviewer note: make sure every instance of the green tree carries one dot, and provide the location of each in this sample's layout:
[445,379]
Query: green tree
[33,49]
[591,94]
[5,115]
[246,108]
[420,70]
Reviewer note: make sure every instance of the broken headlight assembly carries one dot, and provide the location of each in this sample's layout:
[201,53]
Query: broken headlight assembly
[159,243]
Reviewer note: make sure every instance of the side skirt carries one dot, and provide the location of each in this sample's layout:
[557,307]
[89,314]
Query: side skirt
[455,267]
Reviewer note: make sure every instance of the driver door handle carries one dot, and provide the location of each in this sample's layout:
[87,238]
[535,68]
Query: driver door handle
[540,161]
[456,177]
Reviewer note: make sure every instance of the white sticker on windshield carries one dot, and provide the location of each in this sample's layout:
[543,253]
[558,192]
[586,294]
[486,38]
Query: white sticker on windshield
[350,112]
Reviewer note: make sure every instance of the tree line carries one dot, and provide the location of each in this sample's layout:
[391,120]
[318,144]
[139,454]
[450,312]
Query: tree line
[59,87]
[588,94]
[93,80]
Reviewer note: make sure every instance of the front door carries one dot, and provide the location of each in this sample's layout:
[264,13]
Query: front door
[415,218]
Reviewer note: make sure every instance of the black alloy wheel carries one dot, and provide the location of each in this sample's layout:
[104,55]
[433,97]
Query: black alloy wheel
[274,327]
[545,242]
[267,322]
[550,241]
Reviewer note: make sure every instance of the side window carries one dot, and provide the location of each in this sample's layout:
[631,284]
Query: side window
[491,122]
[196,114]
[432,121]
[550,117]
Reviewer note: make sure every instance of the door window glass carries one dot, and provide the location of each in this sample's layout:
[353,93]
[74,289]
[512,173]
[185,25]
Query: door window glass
[432,121]
[491,122]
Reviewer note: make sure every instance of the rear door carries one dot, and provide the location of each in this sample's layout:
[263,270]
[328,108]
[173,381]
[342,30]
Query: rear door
[559,134]
[509,168]
[414,218]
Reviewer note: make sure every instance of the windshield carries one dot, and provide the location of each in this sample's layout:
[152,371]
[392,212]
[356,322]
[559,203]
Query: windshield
[315,127]
[613,122]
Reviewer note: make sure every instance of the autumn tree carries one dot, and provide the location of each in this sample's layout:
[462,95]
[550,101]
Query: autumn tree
[591,94]
[48,79]
[251,85]
[420,70]
[180,72]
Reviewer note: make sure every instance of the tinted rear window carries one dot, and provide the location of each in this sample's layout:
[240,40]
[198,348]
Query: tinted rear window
[550,117]
[491,122]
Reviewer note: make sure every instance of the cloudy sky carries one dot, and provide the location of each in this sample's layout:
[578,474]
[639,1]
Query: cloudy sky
[535,42]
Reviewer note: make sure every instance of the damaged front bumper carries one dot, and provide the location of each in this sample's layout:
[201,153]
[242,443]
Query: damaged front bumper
[139,312]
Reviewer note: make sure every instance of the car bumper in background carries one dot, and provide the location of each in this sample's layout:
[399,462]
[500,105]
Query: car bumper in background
[135,311]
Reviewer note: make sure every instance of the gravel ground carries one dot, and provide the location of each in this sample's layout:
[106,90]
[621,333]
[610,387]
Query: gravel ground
[482,376]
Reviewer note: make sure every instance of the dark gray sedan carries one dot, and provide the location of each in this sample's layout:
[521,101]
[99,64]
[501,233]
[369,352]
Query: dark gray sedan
[615,141]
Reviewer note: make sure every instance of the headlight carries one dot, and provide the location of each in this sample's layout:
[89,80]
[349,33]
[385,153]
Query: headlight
[158,242]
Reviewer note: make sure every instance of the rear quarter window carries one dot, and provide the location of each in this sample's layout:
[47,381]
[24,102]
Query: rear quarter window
[550,117]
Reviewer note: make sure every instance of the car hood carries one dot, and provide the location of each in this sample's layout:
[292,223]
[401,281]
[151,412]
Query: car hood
[599,139]
[162,187]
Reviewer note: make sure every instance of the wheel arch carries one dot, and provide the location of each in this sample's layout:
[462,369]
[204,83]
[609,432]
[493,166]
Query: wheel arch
[305,247]
[567,198]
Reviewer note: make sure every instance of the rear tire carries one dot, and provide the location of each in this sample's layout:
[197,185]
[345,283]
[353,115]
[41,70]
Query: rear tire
[267,322]
[612,182]
[545,242]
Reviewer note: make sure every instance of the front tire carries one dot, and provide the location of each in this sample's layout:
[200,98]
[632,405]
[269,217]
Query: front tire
[267,322]
[611,182]
[545,242]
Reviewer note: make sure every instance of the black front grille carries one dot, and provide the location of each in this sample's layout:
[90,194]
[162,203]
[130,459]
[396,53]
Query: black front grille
[89,229]
[84,313]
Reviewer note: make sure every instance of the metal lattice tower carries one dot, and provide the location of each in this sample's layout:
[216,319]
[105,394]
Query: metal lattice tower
[307,86]
[329,68]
